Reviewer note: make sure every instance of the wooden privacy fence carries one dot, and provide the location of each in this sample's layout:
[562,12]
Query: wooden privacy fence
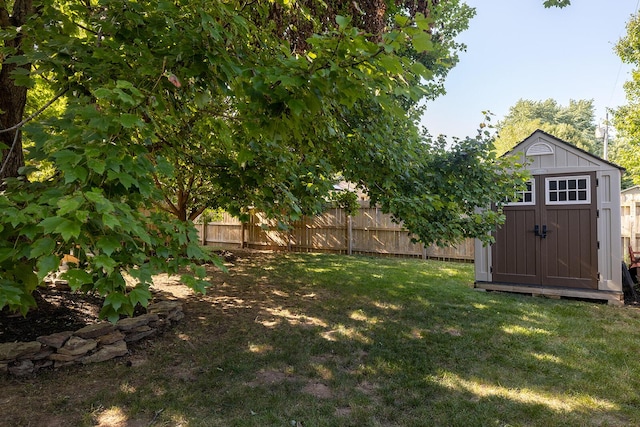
[370,231]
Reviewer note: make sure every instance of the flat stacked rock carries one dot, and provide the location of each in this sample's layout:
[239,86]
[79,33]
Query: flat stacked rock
[93,343]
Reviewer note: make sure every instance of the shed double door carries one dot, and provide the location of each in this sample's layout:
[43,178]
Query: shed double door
[549,237]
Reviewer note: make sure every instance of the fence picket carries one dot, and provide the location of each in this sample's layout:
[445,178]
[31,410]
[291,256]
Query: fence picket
[370,231]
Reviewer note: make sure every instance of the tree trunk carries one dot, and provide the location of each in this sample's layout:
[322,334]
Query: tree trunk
[12,102]
[12,98]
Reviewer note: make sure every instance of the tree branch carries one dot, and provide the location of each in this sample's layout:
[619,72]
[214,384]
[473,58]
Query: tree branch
[87,29]
[8,156]
[195,213]
[37,113]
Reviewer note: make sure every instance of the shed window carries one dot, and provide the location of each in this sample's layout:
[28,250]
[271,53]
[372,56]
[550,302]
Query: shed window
[524,197]
[568,190]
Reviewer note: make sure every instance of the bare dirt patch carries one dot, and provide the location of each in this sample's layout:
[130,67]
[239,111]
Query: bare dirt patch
[318,390]
[270,377]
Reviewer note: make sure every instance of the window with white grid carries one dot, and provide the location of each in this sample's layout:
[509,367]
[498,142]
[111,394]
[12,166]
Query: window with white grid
[524,197]
[568,190]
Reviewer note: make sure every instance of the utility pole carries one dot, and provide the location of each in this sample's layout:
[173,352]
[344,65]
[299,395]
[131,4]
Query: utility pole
[602,132]
[605,148]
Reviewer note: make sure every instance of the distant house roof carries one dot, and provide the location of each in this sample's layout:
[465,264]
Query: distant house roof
[635,188]
[350,186]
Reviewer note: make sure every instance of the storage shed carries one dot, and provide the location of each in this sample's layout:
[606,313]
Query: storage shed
[561,237]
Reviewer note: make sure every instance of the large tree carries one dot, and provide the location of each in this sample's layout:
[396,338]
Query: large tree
[626,118]
[262,101]
[291,178]
[574,123]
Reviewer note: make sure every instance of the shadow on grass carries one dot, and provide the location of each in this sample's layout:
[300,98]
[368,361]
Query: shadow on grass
[320,340]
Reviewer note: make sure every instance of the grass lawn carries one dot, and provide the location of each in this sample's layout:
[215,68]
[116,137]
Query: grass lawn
[328,340]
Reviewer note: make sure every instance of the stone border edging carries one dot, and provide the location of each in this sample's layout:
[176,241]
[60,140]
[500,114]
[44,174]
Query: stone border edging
[93,343]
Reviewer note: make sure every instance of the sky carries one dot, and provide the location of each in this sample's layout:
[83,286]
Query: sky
[518,49]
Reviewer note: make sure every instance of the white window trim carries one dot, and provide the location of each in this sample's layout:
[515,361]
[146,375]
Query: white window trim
[567,202]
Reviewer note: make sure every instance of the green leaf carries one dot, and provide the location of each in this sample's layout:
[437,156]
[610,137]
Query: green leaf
[143,273]
[67,205]
[422,22]
[401,19]
[422,42]
[102,92]
[46,265]
[123,84]
[342,21]
[419,69]
[197,285]
[200,272]
[110,221]
[166,6]
[10,295]
[219,262]
[202,100]
[194,251]
[313,103]
[26,277]
[164,166]
[127,180]
[245,156]
[66,157]
[21,76]
[69,229]
[116,300]
[100,123]
[392,64]
[108,244]
[77,278]
[51,224]
[82,216]
[296,106]
[556,3]
[108,312]
[140,295]
[7,253]
[45,245]
[130,120]
[125,97]
[105,262]
[103,205]
[97,165]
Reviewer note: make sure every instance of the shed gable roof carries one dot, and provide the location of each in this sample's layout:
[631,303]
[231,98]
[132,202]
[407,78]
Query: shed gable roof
[549,151]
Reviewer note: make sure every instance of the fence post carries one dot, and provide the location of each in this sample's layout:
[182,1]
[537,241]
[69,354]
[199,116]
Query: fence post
[203,234]
[349,235]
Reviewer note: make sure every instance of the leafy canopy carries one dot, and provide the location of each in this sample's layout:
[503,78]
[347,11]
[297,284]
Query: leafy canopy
[626,118]
[184,105]
[574,123]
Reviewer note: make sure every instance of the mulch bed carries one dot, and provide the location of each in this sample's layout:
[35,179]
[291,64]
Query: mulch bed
[57,310]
